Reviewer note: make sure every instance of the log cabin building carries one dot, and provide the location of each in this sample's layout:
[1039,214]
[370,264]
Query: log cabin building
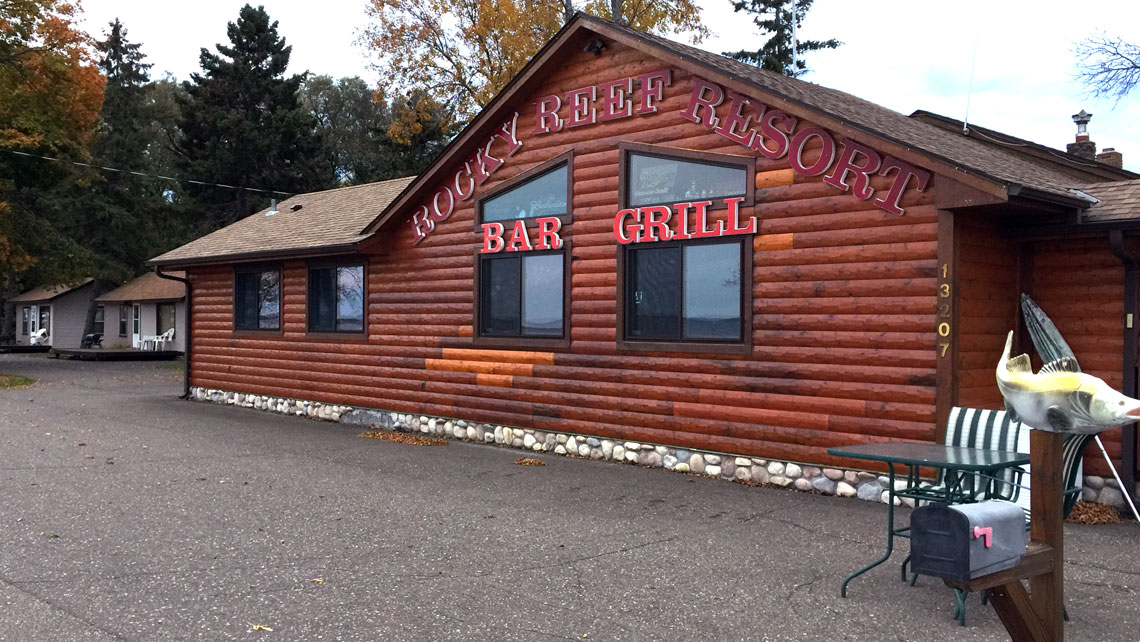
[639,241]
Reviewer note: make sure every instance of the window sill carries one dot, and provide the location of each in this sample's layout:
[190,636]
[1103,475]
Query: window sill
[517,343]
[358,337]
[258,333]
[684,346]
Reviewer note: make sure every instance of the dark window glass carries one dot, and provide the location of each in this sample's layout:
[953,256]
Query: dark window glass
[544,195]
[653,306]
[123,315]
[25,319]
[522,296]
[336,299]
[689,292]
[165,319]
[97,326]
[257,300]
[653,180]
[45,318]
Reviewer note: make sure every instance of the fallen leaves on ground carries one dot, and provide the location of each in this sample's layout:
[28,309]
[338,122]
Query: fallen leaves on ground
[259,627]
[404,438]
[15,381]
[317,580]
[529,461]
[1093,513]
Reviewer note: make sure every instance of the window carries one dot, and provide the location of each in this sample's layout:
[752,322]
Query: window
[25,318]
[336,299]
[522,295]
[654,175]
[687,292]
[136,319]
[45,318]
[124,313]
[97,326]
[165,318]
[542,191]
[257,300]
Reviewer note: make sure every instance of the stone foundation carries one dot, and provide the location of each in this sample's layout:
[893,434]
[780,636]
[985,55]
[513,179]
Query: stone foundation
[752,470]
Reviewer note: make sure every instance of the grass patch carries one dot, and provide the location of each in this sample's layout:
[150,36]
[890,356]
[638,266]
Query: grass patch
[176,366]
[15,381]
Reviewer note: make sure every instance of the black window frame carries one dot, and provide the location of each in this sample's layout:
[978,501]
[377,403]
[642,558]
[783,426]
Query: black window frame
[360,334]
[741,345]
[523,178]
[257,330]
[99,321]
[747,163]
[25,319]
[173,306]
[521,340]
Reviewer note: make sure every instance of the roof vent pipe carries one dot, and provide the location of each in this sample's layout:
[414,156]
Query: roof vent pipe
[272,208]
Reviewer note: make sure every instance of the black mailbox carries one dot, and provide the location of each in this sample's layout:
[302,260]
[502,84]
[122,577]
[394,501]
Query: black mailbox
[965,541]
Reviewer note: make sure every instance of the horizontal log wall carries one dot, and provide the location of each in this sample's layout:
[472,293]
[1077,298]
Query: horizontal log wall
[1080,285]
[987,308]
[842,329]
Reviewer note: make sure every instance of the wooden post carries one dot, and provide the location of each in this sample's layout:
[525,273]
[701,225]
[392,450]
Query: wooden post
[1046,525]
[1036,616]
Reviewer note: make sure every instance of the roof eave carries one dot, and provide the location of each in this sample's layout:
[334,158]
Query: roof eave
[263,255]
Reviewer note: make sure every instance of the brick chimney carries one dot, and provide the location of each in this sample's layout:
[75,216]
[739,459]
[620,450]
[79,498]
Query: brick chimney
[1083,147]
[1111,157]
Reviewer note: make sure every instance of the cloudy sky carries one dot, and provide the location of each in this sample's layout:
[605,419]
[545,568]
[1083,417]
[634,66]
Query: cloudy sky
[902,54]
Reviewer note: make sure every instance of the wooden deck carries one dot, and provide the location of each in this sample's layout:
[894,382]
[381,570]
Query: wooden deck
[112,354]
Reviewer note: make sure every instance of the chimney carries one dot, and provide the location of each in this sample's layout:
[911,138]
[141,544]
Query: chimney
[1111,157]
[1083,147]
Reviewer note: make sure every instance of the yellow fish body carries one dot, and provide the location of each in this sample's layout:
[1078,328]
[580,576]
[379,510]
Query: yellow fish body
[1058,398]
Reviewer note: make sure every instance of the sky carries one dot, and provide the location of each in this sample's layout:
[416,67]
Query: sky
[902,54]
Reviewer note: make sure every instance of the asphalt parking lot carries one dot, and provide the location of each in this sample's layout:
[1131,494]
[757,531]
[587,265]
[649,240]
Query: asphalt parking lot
[128,514]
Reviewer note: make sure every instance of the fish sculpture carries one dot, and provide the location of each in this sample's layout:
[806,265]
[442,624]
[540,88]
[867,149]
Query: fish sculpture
[1060,398]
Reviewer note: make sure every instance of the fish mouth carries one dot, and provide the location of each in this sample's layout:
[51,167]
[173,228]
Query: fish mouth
[1135,412]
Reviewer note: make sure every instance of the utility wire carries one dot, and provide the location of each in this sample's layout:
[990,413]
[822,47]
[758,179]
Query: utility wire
[134,173]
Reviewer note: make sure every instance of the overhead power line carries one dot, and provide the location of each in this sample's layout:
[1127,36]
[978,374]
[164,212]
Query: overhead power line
[145,174]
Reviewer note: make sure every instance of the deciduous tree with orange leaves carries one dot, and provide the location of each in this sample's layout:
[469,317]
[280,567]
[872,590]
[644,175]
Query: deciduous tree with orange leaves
[50,95]
[462,52]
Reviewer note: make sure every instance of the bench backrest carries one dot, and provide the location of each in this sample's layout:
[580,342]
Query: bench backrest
[989,430]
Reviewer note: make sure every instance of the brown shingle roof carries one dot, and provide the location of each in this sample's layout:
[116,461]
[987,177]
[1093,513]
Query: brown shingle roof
[1116,201]
[328,219]
[955,149]
[148,287]
[47,292]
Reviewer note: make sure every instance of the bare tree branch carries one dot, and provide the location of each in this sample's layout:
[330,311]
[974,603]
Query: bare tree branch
[1110,67]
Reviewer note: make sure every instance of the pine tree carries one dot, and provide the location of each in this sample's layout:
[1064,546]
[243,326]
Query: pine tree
[242,125]
[775,17]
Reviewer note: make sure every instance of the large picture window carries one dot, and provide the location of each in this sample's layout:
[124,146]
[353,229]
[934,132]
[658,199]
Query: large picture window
[257,299]
[686,292]
[522,295]
[653,175]
[336,298]
[165,314]
[541,191]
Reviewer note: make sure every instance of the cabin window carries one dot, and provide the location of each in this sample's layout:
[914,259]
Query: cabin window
[165,314]
[25,319]
[45,318]
[257,300]
[124,315]
[336,298]
[522,295]
[653,175]
[97,326]
[686,292]
[542,191]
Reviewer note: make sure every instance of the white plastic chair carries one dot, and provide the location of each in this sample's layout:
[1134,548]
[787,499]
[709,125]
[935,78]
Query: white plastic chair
[161,340]
[39,337]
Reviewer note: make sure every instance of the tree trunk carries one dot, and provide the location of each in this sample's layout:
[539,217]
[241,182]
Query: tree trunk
[615,11]
[568,9]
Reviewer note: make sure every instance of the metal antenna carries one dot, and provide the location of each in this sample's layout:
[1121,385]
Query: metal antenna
[970,91]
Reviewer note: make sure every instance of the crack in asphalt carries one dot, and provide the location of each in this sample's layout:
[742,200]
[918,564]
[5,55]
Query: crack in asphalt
[65,611]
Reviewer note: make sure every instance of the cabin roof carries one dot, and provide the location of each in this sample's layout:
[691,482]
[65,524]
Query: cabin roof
[322,222]
[148,287]
[45,293]
[1117,201]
